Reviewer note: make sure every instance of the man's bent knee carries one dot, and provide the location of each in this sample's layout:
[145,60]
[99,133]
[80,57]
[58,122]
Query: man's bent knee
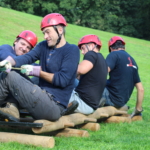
[13,76]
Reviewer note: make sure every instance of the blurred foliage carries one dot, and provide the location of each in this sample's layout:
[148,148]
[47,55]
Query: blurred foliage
[130,18]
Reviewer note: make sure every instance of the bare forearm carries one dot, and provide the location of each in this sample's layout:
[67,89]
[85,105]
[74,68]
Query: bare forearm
[140,96]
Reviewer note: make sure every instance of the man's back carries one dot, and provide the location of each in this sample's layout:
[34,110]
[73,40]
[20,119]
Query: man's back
[122,77]
[92,84]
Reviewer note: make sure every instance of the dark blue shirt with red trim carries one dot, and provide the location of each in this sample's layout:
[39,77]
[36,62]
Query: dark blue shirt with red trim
[122,77]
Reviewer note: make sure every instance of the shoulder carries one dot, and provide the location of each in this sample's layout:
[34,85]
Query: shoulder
[91,54]
[43,43]
[41,46]
[7,49]
[6,46]
[71,46]
[113,55]
[71,49]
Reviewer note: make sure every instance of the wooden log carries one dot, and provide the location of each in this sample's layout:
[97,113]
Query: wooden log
[27,139]
[98,114]
[137,118]
[76,119]
[123,108]
[108,111]
[48,126]
[90,126]
[90,120]
[68,125]
[118,119]
[68,132]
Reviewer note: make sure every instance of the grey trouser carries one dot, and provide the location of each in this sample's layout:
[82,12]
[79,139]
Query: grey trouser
[29,96]
[10,98]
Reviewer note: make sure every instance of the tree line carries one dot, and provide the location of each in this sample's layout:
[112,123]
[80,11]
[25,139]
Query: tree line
[127,17]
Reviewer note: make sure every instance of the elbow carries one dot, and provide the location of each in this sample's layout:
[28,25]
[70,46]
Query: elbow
[80,72]
[141,90]
[62,83]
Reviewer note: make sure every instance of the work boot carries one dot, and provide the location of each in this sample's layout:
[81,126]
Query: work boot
[71,108]
[10,110]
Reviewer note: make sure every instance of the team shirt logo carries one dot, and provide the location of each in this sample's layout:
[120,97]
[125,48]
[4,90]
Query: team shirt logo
[130,64]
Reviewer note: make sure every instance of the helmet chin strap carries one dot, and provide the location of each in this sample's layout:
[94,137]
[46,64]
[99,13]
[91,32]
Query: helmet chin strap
[88,47]
[59,37]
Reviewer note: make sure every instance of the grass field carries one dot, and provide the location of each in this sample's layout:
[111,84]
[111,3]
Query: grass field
[123,136]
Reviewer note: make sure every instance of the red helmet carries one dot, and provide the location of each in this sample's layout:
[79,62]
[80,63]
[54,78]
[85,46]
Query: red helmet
[114,39]
[29,36]
[52,20]
[88,39]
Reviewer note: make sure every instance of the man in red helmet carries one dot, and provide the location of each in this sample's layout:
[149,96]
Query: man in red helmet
[24,42]
[93,74]
[123,76]
[57,71]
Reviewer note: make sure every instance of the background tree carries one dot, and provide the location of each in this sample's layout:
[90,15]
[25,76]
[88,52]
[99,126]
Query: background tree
[131,18]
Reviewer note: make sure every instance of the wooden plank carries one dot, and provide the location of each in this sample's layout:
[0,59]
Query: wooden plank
[27,139]
[90,126]
[68,132]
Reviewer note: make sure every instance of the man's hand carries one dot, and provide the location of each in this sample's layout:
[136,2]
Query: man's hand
[31,70]
[136,112]
[5,65]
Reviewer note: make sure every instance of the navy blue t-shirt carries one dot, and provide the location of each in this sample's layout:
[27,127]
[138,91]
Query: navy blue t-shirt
[122,77]
[92,84]
[63,62]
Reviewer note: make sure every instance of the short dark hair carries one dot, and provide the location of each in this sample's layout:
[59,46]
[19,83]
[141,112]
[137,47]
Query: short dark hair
[17,39]
[118,44]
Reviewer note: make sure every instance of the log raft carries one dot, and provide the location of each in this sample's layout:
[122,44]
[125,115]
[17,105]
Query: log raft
[77,119]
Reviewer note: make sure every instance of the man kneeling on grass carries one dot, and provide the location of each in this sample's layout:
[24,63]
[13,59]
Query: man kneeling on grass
[93,73]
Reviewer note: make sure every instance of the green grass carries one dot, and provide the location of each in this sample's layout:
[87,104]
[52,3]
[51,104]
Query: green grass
[123,136]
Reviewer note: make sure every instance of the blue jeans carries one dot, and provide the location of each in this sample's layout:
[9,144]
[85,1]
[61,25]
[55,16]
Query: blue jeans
[76,82]
[106,99]
[82,107]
